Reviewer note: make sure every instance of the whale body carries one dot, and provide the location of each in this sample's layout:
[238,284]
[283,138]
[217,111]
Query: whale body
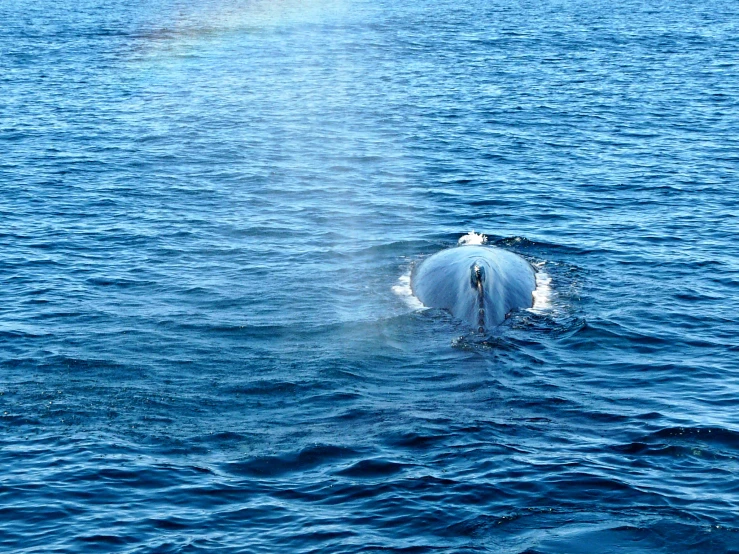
[479,285]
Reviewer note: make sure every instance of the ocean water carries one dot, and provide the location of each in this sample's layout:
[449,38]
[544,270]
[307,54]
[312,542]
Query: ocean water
[209,211]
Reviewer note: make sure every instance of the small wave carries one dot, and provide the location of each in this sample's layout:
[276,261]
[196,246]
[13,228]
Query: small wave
[307,459]
[372,468]
[518,242]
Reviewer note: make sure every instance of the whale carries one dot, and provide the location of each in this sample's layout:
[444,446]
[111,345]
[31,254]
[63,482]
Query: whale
[478,284]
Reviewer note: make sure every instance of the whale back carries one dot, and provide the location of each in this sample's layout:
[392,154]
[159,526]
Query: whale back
[477,284]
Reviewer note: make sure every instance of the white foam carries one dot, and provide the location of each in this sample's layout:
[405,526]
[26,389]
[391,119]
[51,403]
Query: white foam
[491,90]
[472,238]
[543,292]
[404,291]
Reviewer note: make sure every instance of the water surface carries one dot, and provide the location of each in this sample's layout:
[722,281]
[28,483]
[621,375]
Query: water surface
[208,212]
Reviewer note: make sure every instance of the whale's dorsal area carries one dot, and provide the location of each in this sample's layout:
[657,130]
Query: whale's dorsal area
[477,284]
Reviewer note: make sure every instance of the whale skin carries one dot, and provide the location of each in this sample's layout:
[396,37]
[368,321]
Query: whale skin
[477,284]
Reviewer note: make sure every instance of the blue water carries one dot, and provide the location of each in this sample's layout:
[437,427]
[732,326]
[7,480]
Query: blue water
[208,213]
